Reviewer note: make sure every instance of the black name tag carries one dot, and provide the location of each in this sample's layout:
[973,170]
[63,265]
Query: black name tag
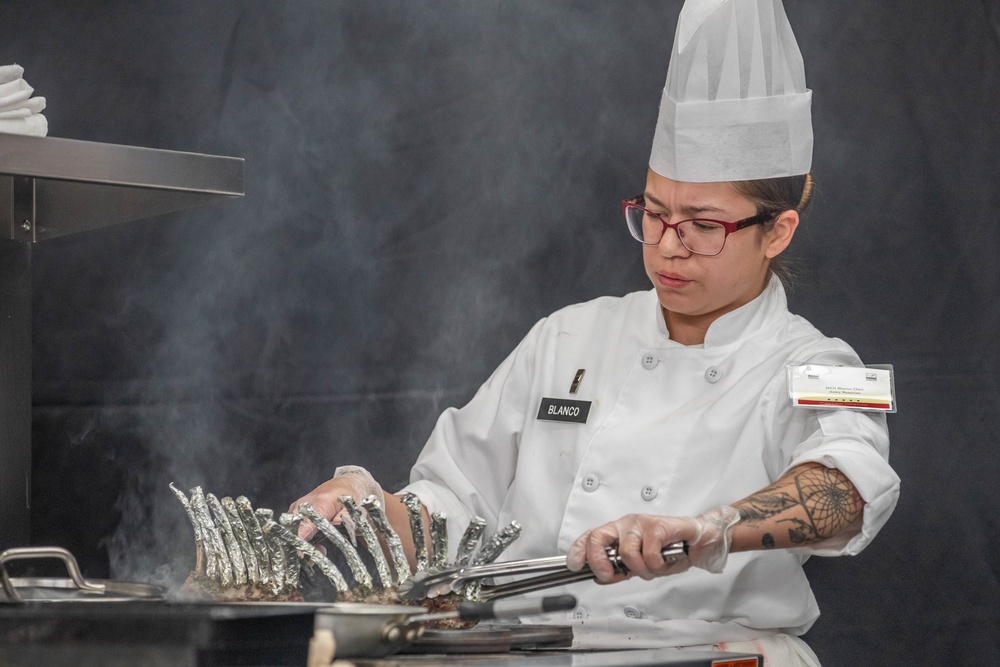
[564,410]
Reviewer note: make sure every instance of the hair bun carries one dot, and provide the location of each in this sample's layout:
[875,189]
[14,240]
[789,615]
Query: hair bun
[807,193]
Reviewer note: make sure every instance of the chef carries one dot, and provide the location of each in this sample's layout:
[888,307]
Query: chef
[664,415]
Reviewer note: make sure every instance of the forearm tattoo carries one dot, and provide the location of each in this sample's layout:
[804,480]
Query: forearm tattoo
[830,501]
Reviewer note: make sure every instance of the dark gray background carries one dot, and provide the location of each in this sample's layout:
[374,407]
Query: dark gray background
[424,181]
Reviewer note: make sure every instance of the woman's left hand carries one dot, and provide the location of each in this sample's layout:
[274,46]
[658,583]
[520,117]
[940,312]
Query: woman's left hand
[640,539]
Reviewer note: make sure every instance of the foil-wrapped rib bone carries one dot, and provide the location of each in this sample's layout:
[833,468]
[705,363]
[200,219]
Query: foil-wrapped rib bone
[242,539]
[415,511]
[229,537]
[217,565]
[290,522]
[389,536]
[470,541]
[491,550]
[324,564]
[275,551]
[499,541]
[439,540]
[256,534]
[357,566]
[199,540]
[368,536]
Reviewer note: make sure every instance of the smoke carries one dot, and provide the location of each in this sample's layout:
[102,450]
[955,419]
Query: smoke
[422,184]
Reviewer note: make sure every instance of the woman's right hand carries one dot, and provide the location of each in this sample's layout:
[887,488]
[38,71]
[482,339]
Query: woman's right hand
[352,481]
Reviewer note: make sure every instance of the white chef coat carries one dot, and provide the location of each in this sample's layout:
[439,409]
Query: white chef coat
[673,430]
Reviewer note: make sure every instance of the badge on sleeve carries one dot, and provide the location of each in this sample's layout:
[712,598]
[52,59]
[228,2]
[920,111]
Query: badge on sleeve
[824,387]
[564,410]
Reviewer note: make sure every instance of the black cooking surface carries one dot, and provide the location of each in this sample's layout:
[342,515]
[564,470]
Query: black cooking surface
[154,633]
[150,633]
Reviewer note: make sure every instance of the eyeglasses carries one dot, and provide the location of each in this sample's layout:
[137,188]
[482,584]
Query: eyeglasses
[700,236]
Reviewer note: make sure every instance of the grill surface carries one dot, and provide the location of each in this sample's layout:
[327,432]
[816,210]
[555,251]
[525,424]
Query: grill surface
[154,633]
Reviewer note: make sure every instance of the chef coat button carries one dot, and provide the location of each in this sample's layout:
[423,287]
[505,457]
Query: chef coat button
[649,361]
[648,492]
[579,613]
[591,482]
[632,612]
[713,374]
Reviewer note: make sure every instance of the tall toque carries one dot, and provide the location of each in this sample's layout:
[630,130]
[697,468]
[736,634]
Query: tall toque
[735,105]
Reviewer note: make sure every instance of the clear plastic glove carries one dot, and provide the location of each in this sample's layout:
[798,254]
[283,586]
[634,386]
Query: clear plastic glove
[352,481]
[641,537]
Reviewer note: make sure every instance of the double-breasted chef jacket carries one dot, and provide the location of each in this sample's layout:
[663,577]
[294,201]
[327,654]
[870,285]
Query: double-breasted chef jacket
[672,430]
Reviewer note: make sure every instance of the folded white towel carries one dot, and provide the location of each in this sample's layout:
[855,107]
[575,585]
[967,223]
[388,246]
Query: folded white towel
[26,108]
[10,73]
[14,92]
[20,113]
[35,125]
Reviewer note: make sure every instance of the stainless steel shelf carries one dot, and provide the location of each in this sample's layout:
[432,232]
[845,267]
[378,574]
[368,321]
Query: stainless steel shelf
[51,187]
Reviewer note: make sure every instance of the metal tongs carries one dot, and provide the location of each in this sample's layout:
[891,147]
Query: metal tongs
[433,583]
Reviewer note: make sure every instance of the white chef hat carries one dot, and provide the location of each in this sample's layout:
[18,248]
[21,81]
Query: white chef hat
[735,106]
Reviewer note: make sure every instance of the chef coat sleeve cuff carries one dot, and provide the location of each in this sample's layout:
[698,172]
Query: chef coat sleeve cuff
[875,481]
[857,444]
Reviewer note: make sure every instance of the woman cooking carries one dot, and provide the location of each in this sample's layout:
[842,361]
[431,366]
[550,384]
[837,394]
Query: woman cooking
[664,415]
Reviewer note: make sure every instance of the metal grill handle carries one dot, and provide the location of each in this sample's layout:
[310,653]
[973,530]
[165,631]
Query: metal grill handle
[29,553]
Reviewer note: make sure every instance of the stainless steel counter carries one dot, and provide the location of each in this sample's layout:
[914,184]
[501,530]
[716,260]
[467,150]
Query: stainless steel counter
[51,187]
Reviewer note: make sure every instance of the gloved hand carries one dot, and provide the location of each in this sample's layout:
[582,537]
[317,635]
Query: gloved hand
[641,537]
[352,481]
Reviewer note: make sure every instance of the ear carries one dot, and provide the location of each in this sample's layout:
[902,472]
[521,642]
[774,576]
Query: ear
[781,234]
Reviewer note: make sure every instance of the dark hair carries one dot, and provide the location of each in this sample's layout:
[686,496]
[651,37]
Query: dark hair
[779,195]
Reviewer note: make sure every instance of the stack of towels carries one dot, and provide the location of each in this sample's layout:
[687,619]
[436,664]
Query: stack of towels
[20,113]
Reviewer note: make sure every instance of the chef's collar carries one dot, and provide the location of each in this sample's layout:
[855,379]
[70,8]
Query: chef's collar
[737,324]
